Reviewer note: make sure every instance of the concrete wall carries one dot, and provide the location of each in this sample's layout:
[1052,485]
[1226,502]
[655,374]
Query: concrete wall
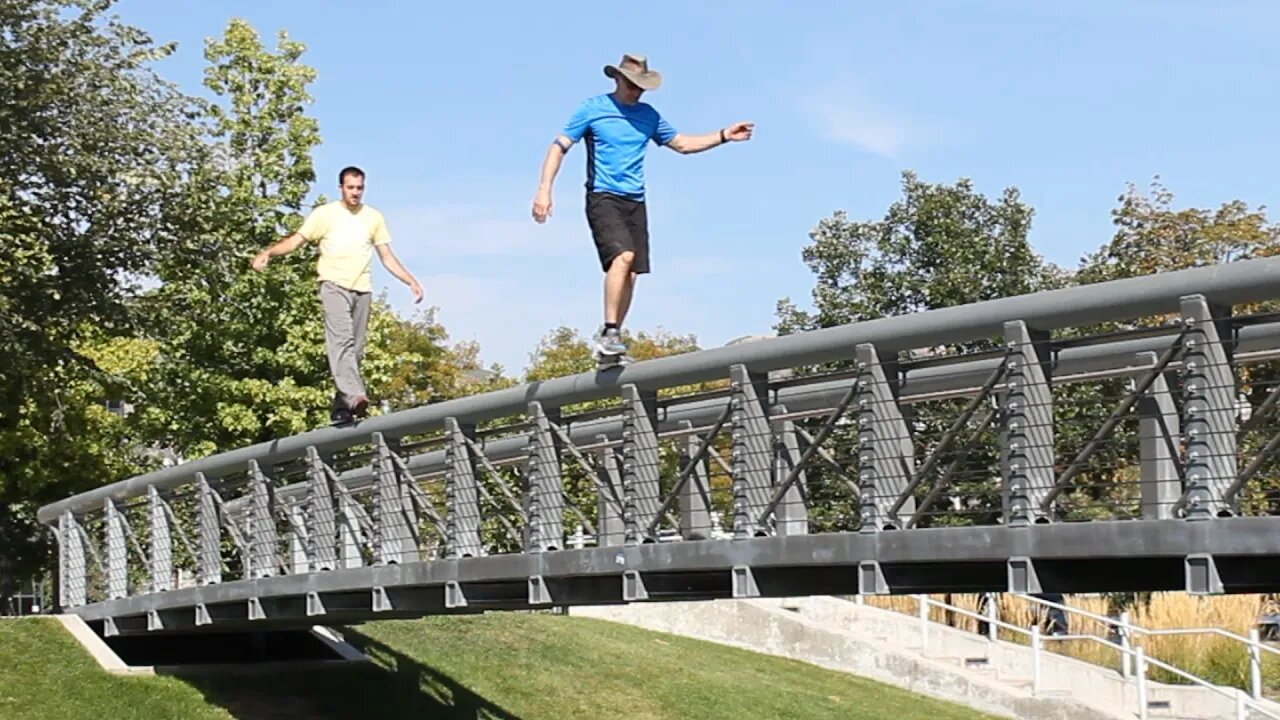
[886,646]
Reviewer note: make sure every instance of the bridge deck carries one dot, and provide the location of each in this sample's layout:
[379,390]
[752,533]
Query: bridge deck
[1068,558]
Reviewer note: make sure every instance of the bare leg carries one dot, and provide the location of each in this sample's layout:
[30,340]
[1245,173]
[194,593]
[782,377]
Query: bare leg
[617,288]
[625,303]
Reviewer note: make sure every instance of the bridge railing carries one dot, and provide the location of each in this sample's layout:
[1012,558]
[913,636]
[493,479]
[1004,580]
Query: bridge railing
[1149,398]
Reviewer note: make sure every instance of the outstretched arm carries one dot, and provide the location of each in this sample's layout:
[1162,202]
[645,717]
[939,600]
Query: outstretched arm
[393,266]
[283,247]
[690,144]
[550,167]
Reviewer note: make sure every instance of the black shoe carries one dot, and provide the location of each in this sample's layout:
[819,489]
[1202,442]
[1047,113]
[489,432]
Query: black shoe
[341,416]
[360,406]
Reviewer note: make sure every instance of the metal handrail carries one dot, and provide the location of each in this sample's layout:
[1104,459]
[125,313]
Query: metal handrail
[1242,700]
[1253,642]
[1230,283]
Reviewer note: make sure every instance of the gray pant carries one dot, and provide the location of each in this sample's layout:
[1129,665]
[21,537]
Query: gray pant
[346,320]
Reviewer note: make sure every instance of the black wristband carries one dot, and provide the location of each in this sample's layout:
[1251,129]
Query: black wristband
[723,139]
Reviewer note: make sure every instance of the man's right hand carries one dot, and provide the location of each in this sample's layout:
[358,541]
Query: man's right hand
[260,260]
[542,206]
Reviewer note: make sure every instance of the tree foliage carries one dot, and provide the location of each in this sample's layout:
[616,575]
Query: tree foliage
[129,213]
[1154,235]
[93,151]
[937,246]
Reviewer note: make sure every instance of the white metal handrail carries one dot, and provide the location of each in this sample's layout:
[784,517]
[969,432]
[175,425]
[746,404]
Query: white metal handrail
[1242,700]
[1253,643]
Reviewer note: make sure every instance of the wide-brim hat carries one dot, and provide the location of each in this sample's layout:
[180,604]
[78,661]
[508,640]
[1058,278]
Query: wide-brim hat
[636,69]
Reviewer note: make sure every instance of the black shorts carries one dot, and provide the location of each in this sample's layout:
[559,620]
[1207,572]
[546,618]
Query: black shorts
[619,224]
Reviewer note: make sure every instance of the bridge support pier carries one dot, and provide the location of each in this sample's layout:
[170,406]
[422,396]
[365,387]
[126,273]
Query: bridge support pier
[1202,575]
[1027,432]
[886,452]
[871,580]
[1023,578]
[1159,433]
[610,529]
[208,533]
[752,451]
[640,481]
[544,489]
[117,553]
[394,520]
[73,571]
[1209,408]
[791,516]
[462,492]
[695,494]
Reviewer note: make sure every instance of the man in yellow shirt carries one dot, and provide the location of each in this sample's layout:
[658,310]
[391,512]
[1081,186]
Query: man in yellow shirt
[348,232]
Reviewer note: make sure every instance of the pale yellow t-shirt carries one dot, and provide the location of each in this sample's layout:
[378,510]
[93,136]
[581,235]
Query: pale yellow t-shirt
[346,243]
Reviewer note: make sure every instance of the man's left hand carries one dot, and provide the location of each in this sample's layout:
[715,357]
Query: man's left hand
[416,289]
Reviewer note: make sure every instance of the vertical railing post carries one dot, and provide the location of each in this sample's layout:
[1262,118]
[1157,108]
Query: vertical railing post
[640,471]
[462,493]
[1158,429]
[321,515]
[1209,408]
[993,616]
[351,534]
[922,610]
[1037,645]
[1255,664]
[1126,642]
[695,508]
[394,521]
[610,529]
[792,513]
[886,453]
[117,553]
[544,487]
[71,562]
[208,534]
[1027,432]
[263,538]
[1140,671]
[752,461]
[299,554]
[161,543]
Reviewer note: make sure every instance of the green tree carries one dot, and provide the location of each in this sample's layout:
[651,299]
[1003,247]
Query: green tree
[1154,236]
[937,246]
[95,150]
[241,356]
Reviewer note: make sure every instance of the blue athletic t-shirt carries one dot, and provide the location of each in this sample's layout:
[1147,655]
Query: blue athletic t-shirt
[616,138]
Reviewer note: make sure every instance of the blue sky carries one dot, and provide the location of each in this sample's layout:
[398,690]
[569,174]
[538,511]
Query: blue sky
[450,108]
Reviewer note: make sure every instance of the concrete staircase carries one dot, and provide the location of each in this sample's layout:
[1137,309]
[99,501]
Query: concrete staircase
[995,677]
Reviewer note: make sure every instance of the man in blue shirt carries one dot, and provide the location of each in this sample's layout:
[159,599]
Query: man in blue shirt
[616,129]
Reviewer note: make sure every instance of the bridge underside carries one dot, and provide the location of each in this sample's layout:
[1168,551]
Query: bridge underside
[1233,555]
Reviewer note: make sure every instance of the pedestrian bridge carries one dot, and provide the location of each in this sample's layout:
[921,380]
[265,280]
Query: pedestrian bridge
[1111,437]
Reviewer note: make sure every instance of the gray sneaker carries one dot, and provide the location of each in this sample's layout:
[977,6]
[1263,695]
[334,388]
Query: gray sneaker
[609,342]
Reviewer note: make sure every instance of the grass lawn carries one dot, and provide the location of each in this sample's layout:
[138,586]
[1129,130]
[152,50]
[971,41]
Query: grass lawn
[46,675]
[485,666]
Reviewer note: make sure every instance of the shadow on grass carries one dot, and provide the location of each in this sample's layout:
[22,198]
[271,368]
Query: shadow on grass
[393,685]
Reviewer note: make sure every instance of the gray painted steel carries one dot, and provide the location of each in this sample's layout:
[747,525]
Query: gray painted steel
[835,557]
[1226,284]
[966,376]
